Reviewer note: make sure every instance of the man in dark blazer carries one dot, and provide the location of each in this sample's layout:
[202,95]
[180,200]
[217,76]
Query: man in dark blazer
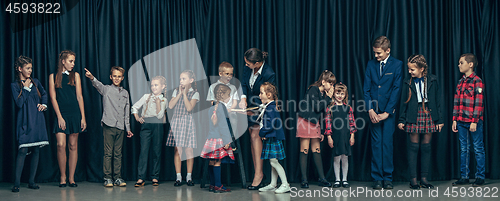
[381,93]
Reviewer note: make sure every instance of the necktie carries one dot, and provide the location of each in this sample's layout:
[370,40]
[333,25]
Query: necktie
[382,65]
[419,82]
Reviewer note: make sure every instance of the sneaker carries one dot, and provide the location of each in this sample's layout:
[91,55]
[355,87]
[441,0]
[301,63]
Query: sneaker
[478,182]
[108,182]
[283,188]
[120,182]
[269,187]
[461,181]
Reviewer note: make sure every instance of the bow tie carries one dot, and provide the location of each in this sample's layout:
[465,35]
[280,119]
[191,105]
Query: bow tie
[418,80]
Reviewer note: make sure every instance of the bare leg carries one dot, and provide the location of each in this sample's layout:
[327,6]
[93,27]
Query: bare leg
[177,159]
[73,156]
[256,152]
[61,155]
[190,160]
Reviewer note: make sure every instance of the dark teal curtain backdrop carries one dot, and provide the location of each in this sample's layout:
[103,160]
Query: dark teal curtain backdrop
[302,37]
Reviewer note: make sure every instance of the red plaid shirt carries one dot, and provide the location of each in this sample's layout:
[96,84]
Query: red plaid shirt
[468,99]
[328,120]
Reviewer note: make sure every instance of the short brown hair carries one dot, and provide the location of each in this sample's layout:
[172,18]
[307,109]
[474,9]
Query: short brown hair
[382,42]
[469,57]
[118,68]
[224,65]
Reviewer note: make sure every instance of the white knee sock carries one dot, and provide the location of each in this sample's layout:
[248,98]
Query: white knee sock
[179,177]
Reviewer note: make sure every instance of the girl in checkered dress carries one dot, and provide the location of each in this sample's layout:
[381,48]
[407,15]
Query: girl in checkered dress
[272,135]
[182,128]
[420,116]
[217,147]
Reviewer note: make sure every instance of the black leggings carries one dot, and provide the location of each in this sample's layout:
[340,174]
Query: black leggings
[21,155]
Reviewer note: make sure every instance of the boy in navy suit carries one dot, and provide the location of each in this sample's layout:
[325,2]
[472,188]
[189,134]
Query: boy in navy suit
[381,93]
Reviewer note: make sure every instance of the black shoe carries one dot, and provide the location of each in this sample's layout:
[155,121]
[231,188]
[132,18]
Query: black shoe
[461,181]
[416,186]
[478,182]
[15,189]
[190,183]
[426,185]
[73,185]
[137,184]
[304,184]
[155,183]
[33,186]
[345,184]
[62,185]
[324,183]
[250,187]
[377,185]
[178,183]
[336,184]
[388,185]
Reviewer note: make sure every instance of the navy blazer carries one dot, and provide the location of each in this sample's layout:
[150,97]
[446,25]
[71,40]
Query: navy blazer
[252,94]
[272,123]
[385,89]
[408,111]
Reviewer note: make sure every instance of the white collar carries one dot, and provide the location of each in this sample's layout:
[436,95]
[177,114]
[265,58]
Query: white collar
[219,82]
[66,72]
[385,60]
[159,96]
[260,70]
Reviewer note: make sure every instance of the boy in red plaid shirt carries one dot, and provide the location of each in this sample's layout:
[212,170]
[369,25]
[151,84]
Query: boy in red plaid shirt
[468,116]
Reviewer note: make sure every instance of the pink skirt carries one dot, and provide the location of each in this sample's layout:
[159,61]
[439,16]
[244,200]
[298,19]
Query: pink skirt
[306,129]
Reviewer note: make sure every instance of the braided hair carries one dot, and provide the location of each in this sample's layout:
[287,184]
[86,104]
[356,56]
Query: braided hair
[60,66]
[20,62]
[420,62]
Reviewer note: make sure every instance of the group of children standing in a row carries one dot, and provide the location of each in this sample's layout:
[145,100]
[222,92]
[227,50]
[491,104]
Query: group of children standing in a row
[326,104]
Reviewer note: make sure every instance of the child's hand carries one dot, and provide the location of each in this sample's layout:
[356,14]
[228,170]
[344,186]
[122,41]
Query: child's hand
[329,92]
[157,100]
[473,127]
[88,74]
[454,127]
[351,141]
[41,107]
[243,103]
[263,138]
[227,146]
[129,134]
[27,82]
[140,120]
[401,126]
[322,137]
[330,141]
[383,116]
[439,126]
[62,123]
[83,124]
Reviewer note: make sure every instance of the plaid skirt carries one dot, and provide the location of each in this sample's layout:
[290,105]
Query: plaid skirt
[182,132]
[272,148]
[424,122]
[214,149]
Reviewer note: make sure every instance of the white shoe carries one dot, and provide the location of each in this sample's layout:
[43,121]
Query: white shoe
[267,188]
[283,188]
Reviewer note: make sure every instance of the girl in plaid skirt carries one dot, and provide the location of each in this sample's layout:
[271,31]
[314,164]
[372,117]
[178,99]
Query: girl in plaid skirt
[272,135]
[182,128]
[217,147]
[420,116]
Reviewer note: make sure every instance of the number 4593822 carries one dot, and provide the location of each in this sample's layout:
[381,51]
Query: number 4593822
[33,8]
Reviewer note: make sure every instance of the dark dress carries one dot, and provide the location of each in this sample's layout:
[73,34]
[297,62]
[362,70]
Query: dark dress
[68,106]
[30,123]
[182,129]
[340,132]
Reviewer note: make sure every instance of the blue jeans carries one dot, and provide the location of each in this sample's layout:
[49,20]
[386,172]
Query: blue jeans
[477,140]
